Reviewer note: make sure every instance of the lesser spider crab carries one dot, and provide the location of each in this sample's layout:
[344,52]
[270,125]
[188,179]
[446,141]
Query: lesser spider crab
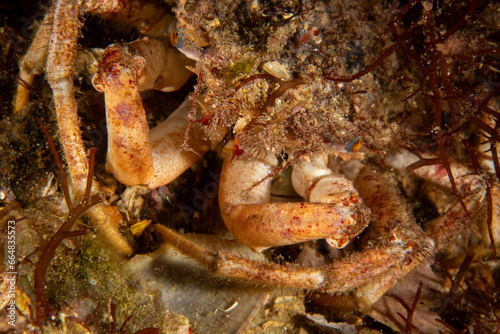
[264,91]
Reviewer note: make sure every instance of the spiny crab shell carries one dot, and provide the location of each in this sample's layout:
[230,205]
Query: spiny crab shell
[291,108]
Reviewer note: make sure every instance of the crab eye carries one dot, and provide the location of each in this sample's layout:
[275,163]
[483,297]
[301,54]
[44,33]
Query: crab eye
[355,145]
[174,38]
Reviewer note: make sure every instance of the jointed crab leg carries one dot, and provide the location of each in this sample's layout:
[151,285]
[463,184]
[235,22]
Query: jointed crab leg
[60,62]
[55,47]
[448,226]
[33,62]
[340,276]
[472,190]
[382,263]
[135,156]
[337,213]
[395,244]
[60,79]
[62,52]
[394,229]
[150,17]
[167,138]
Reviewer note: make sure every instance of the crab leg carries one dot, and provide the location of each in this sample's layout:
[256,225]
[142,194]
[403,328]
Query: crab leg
[395,231]
[397,247]
[33,62]
[341,276]
[259,224]
[169,158]
[60,62]
[385,260]
[136,156]
[61,58]
[473,192]
[448,226]
[150,18]
[55,47]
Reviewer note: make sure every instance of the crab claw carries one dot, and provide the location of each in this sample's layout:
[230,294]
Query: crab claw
[333,210]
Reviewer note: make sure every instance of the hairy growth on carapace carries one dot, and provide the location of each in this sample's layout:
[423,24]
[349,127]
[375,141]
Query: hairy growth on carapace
[283,86]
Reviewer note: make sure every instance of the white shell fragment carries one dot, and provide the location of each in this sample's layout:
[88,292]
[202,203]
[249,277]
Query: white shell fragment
[278,70]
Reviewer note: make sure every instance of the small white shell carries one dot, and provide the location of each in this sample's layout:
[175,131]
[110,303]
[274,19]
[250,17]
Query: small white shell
[278,70]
